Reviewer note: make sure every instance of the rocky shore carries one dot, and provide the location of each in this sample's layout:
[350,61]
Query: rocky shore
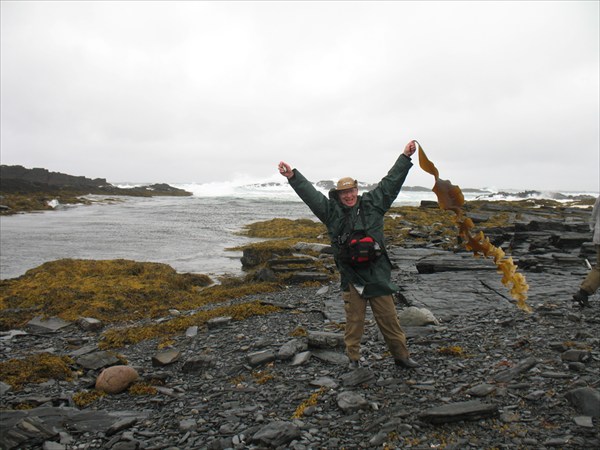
[25,190]
[491,375]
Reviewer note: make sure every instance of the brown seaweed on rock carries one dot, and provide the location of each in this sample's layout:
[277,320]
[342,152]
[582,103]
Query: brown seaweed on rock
[112,291]
[451,198]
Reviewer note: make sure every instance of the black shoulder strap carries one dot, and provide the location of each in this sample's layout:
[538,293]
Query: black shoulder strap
[361,213]
[348,226]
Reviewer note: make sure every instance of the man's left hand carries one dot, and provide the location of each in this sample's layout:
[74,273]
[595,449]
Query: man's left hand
[410,149]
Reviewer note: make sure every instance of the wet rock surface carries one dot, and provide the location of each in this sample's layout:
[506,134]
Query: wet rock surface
[491,375]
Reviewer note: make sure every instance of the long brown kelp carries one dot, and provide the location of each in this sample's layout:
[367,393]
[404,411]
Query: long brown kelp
[451,198]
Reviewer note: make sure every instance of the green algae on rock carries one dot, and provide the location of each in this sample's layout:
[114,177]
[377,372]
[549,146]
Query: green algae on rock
[282,235]
[111,291]
[36,368]
[310,401]
[119,337]
[108,290]
[399,222]
[85,398]
[284,228]
[278,252]
[38,201]
[142,388]
[117,291]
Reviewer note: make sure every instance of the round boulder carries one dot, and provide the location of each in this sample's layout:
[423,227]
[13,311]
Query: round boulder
[116,379]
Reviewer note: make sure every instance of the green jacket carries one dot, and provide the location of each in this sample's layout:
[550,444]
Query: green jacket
[376,277]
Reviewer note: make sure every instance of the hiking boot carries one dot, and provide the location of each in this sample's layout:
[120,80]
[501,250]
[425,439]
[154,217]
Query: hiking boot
[407,363]
[353,365]
[582,298]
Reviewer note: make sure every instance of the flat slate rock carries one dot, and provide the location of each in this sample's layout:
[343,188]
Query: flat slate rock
[585,400]
[261,357]
[37,422]
[454,262]
[481,390]
[50,325]
[86,349]
[291,348]
[327,382]
[303,277]
[166,357]
[521,367]
[331,357]
[4,388]
[324,339]
[301,358]
[455,412]
[277,433]
[350,401]
[28,430]
[218,322]
[97,360]
[358,376]
[198,364]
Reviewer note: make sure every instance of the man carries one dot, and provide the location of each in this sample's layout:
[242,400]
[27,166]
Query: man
[592,282]
[365,268]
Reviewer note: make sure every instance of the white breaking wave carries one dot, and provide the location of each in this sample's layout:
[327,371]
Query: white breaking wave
[277,189]
[274,187]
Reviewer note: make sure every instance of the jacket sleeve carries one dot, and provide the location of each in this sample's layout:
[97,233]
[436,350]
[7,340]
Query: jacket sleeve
[595,222]
[315,200]
[389,187]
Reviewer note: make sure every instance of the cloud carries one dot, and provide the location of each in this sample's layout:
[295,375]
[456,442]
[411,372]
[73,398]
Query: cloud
[499,93]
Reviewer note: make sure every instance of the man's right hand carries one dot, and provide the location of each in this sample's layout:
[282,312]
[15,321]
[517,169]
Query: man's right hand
[285,170]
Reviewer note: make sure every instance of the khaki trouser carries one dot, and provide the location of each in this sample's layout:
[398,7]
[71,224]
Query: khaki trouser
[386,317]
[592,281]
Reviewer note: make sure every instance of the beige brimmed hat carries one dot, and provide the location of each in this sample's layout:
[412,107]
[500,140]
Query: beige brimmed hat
[346,183]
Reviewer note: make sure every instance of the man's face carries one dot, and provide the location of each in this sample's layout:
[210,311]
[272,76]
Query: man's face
[348,197]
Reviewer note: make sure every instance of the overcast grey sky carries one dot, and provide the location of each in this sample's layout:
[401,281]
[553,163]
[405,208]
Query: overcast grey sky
[500,94]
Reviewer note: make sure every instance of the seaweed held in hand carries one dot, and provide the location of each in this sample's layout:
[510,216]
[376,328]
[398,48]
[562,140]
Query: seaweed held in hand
[450,197]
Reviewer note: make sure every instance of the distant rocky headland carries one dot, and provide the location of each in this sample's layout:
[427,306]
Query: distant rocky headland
[23,189]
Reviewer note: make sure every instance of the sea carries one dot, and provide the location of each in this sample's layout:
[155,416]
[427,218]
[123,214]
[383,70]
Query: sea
[192,234]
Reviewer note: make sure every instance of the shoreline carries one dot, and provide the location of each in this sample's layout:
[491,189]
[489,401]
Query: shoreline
[491,375]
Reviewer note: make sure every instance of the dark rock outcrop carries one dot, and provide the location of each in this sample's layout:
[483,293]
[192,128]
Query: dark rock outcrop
[38,177]
[18,179]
